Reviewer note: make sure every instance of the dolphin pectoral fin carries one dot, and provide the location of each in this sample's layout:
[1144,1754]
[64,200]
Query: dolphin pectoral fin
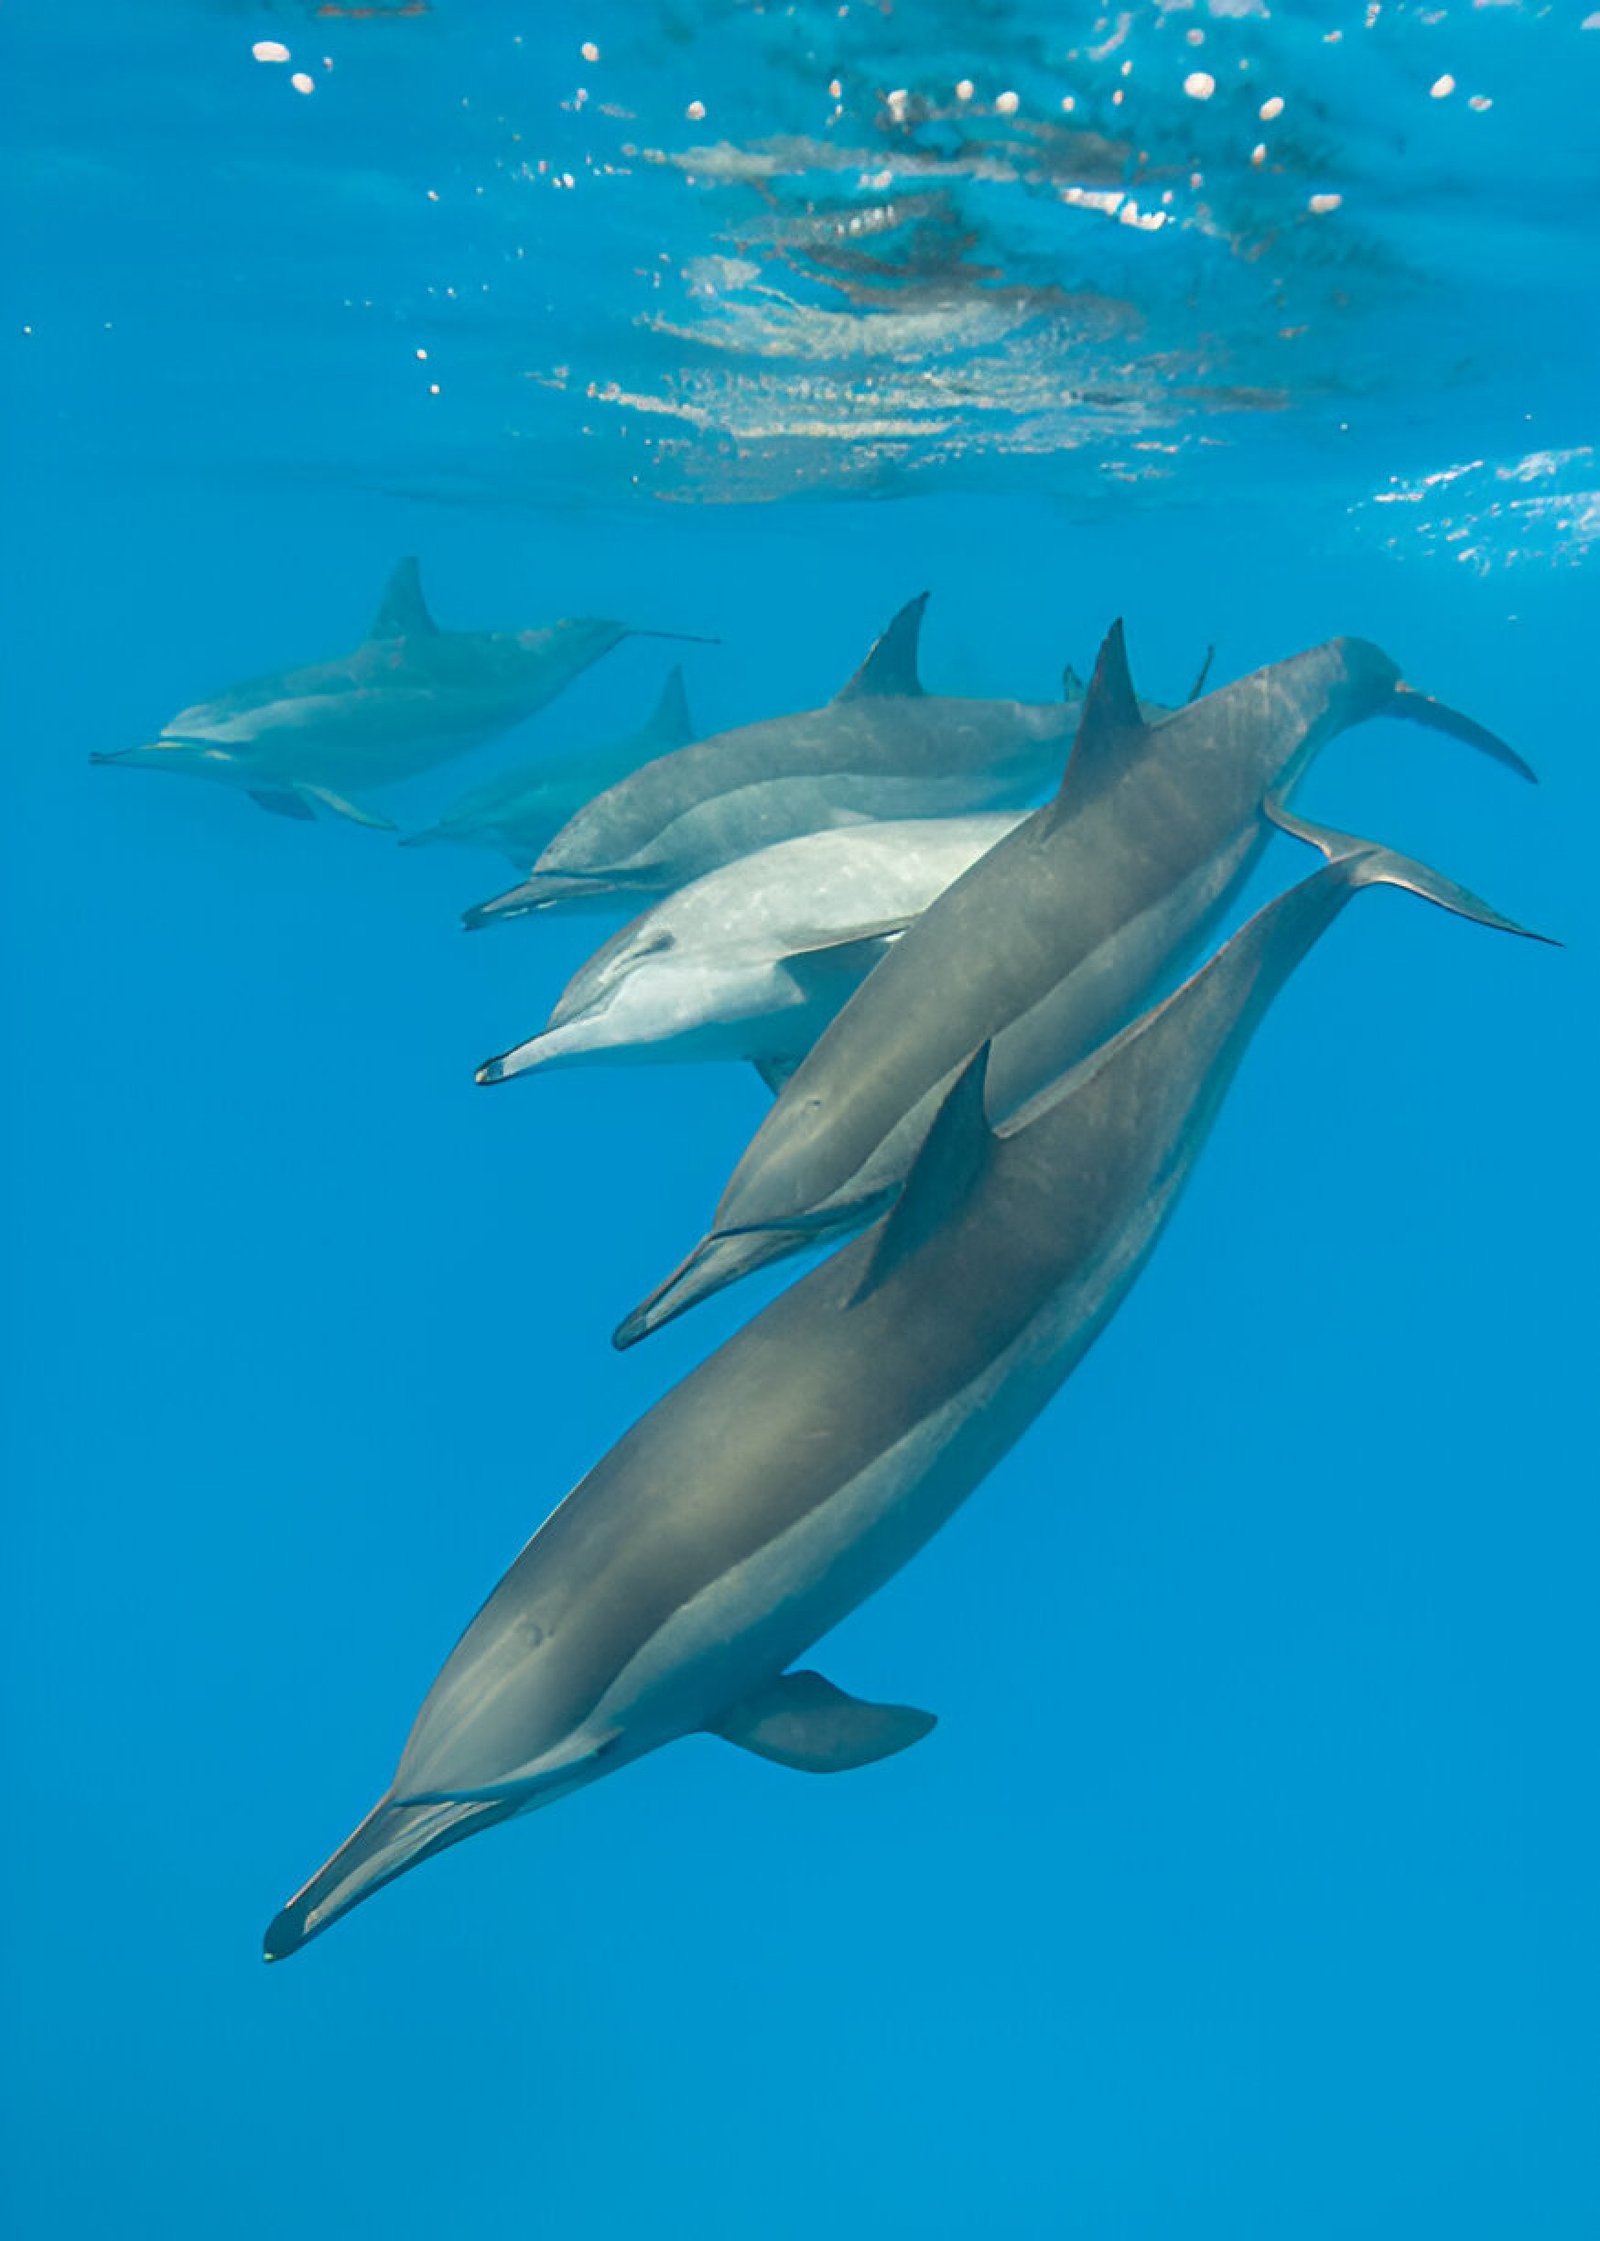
[891,666]
[340,807]
[803,1721]
[952,1157]
[774,1072]
[818,971]
[283,804]
[1421,708]
[402,611]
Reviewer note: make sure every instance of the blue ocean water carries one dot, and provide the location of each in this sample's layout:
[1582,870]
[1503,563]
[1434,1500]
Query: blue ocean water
[1247,1885]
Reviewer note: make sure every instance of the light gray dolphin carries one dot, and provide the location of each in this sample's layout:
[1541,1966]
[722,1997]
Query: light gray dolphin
[882,748]
[1047,945]
[753,959]
[519,812]
[800,1466]
[409,697]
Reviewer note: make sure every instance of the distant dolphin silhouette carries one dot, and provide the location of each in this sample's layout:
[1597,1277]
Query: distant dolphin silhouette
[409,697]
[519,812]
[753,959]
[881,748]
[795,1471]
[1048,944]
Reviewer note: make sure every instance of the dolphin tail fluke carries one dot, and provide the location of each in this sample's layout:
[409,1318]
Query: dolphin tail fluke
[1421,708]
[716,1262]
[391,1839]
[1366,864]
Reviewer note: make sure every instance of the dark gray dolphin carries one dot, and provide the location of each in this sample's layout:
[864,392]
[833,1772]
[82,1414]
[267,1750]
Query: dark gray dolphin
[409,697]
[1048,944]
[796,1470]
[519,812]
[882,748]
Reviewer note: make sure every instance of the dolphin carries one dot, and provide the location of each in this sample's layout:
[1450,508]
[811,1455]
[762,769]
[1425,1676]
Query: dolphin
[799,1467]
[881,748]
[1048,944]
[410,696]
[752,960]
[519,812]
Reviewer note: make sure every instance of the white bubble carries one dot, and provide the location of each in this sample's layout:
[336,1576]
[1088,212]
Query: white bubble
[695,111]
[1442,88]
[1320,205]
[1271,109]
[1199,85]
[964,89]
[270,50]
[301,83]
[589,51]
[1007,104]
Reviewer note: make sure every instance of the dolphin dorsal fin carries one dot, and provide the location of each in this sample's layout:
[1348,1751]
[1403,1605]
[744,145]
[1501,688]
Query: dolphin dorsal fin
[402,611]
[891,666]
[1111,722]
[1072,685]
[671,725]
[954,1153]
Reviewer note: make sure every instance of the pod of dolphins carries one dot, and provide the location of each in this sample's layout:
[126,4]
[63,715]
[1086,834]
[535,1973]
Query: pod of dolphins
[982,1099]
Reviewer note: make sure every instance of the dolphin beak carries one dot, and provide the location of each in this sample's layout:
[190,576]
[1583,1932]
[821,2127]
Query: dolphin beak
[716,1262]
[390,1840]
[134,756]
[516,902]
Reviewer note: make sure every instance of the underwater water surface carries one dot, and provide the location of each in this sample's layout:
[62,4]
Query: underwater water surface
[1246,1887]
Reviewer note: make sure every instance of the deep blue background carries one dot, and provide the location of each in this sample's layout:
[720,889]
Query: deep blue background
[1247,1886]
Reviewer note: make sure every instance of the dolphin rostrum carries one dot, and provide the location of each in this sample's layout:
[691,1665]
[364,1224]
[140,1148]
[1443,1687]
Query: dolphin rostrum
[1048,944]
[752,960]
[800,1466]
[519,812]
[409,697]
[882,748]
